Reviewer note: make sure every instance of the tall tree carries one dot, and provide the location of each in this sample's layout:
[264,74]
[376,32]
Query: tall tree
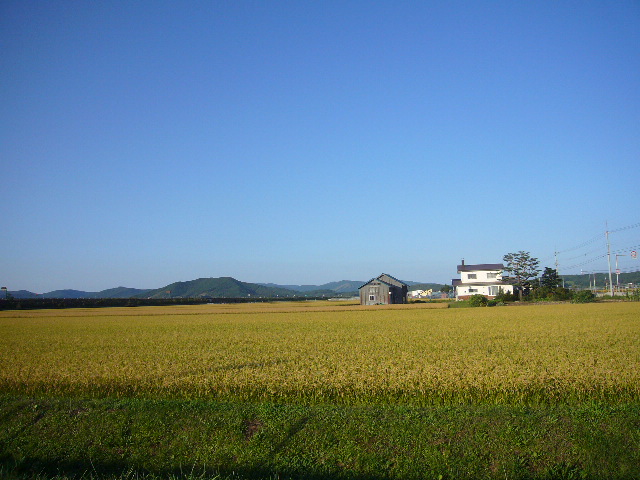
[522,268]
[550,278]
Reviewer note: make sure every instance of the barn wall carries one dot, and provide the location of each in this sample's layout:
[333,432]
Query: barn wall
[382,293]
[379,290]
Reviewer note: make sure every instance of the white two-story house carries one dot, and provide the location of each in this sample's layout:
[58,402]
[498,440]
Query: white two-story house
[485,279]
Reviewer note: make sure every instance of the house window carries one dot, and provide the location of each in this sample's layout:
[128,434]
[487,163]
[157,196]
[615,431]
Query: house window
[372,298]
[492,275]
[472,276]
[473,290]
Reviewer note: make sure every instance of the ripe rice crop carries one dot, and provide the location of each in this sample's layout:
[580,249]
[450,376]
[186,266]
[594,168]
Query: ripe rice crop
[322,352]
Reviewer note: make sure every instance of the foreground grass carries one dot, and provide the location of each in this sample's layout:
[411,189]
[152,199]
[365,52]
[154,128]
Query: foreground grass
[109,438]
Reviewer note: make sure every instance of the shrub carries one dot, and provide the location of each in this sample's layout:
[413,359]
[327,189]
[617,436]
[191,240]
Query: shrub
[583,296]
[478,300]
[553,294]
[503,297]
[633,295]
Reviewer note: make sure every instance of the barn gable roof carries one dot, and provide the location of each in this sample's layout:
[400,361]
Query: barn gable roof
[394,280]
[393,283]
[377,280]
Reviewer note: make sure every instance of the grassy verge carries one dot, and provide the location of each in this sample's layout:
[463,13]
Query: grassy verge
[49,437]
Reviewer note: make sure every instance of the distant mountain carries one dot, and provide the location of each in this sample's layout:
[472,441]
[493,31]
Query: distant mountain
[67,294]
[348,286]
[22,294]
[343,286]
[295,288]
[223,287]
[118,292]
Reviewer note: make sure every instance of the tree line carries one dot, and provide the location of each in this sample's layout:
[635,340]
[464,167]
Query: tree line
[522,272]
[11,303]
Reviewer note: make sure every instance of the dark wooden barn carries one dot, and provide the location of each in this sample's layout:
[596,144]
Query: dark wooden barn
[383,290]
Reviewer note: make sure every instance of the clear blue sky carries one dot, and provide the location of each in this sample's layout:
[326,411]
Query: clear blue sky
[143,143]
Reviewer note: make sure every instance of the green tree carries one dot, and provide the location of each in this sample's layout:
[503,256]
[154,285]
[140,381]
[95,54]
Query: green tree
[521,268]
[583,296]
[550,278]
[478,300]
[446,288]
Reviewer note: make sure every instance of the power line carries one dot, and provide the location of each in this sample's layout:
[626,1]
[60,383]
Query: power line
[588,242]
[585,262]
[596,238]
[591,241]
[625,228]
[626,249]
[622,270]
[582,255]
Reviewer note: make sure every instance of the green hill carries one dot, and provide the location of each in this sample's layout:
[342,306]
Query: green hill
[119,292]
[68,293]
[223,287]
[602,279]
[21,294]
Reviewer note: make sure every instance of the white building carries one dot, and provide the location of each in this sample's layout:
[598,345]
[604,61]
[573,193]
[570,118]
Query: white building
[484,279]
[421,293]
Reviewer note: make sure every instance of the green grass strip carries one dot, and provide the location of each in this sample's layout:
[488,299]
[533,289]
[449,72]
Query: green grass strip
[61,438]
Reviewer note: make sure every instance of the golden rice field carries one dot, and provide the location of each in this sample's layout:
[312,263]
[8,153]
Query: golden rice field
[319,352]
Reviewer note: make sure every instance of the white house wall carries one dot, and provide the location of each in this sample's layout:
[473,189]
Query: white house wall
[483,282]
[486,290]
[480,276]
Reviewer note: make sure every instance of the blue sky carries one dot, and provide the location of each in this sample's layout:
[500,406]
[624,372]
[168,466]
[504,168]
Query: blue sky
[143,143]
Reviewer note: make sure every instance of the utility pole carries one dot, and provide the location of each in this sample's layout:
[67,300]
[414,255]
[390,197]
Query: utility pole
[618,271]
[555,254]
[609,259]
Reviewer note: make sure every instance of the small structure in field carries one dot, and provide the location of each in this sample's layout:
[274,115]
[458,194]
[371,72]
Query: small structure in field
[383,290]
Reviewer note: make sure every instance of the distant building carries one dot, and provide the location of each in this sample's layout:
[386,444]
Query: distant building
[484,279]
[383,290]
[421,293]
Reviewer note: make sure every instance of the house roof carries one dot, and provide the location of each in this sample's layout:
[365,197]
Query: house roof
[398,283]
[456,281]
[480,266]
[378,278]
